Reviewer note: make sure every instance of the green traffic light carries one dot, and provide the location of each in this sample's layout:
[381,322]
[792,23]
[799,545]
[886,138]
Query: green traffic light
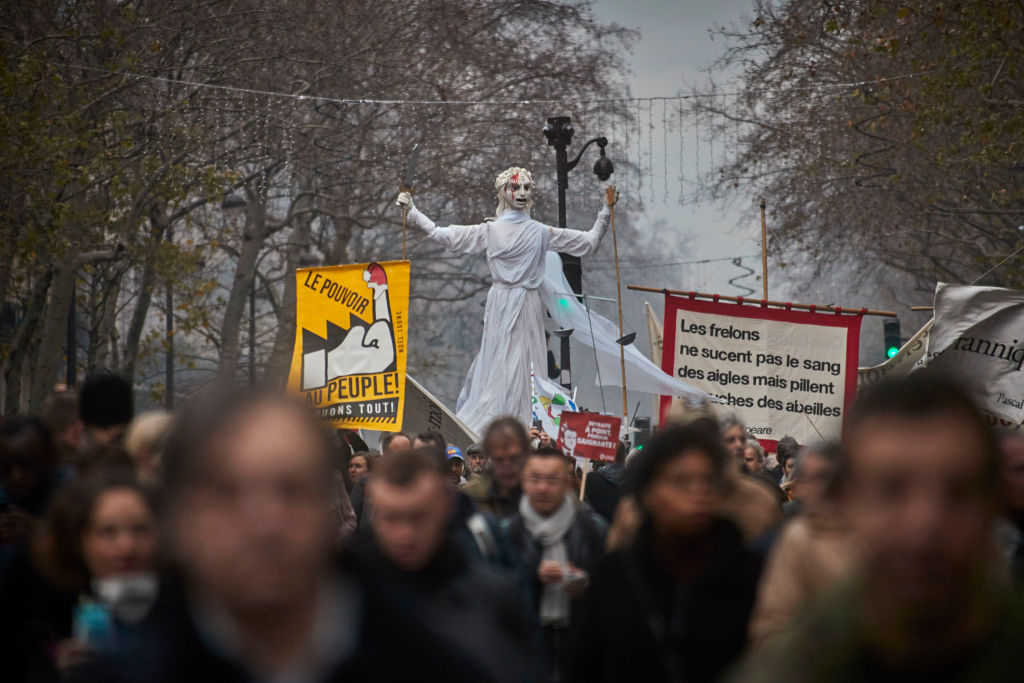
[892,351]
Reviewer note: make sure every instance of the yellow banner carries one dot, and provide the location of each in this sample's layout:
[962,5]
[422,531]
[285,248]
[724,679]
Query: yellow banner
[351,338]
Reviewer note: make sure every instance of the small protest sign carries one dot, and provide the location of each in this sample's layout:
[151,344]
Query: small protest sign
[589,435]
[351,337]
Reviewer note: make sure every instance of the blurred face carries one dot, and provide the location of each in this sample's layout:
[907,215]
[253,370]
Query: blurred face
[735,440]
[20,477]
[752,461]
[476,462]
[810,487]
[787,467]
[506,458]
[103,436]
[916,499]
[410,522]
[255,532]
[356,468]
[682,499]
[545,482]
[1013,473]
[120,538]
[569,439]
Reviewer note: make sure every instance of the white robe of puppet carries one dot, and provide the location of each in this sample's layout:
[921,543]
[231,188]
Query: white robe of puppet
[498,381]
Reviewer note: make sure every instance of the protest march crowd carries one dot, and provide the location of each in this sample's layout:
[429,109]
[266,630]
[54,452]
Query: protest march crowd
[240,540]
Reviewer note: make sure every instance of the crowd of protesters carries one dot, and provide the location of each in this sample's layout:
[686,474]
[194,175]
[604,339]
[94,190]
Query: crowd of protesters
[240,540]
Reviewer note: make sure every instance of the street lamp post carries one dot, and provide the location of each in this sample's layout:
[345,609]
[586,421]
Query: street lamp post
[559,132]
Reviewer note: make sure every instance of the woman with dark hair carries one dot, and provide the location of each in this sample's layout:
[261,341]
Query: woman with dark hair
[359,465]
[674,605]
[96,549]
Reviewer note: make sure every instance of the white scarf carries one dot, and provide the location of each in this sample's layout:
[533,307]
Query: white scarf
[550,533]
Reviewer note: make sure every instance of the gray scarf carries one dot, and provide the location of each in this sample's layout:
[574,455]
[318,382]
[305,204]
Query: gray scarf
[550,533]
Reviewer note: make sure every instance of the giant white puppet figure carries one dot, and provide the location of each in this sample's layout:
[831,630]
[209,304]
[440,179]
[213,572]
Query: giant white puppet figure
[498,381]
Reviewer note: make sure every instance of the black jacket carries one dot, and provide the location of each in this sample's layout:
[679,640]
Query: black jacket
[470,604]
[170,650]
[638,623]
[605,489]
[584,544]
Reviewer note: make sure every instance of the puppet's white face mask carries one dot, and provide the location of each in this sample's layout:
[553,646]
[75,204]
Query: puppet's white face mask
[515,190]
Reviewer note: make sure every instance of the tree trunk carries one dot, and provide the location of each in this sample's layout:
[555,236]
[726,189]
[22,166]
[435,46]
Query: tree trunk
[23,342]
[230,329]
[279,362]
[158,225]
[54,332]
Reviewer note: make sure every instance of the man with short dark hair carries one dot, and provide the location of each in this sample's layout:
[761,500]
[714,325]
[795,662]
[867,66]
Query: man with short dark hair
[413,557]
[915,486]
[813,468]
[560,542]
[785,453]
[506,443]
[390,443]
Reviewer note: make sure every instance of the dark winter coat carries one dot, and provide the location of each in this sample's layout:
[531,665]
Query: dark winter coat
[584,544]
[639,623]
[605,489]
[172,650]
[471,605]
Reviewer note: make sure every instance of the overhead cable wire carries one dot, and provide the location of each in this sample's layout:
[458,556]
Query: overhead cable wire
[372,101]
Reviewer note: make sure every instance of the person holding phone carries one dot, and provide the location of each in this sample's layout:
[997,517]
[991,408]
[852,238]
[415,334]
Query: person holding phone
[560,541]
[96,553]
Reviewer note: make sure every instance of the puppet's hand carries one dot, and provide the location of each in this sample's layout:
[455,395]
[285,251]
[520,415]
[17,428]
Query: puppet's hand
[611,195]
[404,200]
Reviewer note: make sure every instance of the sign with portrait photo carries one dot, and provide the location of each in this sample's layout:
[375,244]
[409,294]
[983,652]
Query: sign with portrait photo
[589,435]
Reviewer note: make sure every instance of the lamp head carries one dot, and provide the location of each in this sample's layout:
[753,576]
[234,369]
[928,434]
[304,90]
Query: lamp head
[603,167]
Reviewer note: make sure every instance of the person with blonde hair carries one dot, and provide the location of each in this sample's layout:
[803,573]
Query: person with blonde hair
[144,442]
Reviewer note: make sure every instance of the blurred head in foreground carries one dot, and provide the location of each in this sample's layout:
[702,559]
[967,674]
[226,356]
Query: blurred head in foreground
[917,486]
[678,478]
[246,501]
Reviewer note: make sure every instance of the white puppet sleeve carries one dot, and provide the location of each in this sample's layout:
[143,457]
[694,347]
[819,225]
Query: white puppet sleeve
[463,239]
[580,242]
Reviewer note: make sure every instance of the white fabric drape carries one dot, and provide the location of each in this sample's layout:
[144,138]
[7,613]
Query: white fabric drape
[641,374]
[498,381]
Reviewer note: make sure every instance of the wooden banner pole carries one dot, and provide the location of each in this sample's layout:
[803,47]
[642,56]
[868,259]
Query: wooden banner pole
[764,252]
[766,302]
[611,197]
[583,483]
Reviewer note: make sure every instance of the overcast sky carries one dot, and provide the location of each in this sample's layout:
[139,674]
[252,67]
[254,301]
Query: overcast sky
[672,54]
